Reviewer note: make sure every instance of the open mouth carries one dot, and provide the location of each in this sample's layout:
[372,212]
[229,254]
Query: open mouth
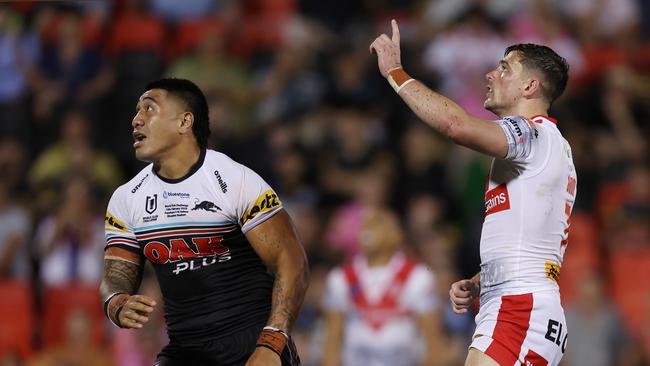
[138,138]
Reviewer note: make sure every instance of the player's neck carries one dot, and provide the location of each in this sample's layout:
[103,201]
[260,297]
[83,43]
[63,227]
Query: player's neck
[379,259]
[178,162]
[526,110]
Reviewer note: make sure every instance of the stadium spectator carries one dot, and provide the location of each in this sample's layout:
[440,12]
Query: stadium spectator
[20,52]
[73,154]
[69,241]
[15,230]
[598,337]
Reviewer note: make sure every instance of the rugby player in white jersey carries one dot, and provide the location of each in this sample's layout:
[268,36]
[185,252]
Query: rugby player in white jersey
[529,197]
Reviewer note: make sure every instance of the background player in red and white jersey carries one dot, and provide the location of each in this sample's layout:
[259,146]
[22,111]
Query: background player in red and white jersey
[529,198]
[381,308]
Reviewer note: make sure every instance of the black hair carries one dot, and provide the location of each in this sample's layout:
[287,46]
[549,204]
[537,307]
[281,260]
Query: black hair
[194,101]
[554,68]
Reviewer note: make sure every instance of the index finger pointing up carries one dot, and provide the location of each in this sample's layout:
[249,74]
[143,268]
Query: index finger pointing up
[395,31]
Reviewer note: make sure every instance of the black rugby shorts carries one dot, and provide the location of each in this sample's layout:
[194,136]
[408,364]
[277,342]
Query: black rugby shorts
[231,351]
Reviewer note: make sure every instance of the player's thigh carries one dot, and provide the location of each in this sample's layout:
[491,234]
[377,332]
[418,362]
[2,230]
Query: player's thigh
[478,358]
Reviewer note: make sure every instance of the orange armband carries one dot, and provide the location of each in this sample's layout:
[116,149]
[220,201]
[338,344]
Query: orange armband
[398,78]
[273,339]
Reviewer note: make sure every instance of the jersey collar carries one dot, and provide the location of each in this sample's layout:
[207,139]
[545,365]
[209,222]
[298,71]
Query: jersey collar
[545,117]
[194,169]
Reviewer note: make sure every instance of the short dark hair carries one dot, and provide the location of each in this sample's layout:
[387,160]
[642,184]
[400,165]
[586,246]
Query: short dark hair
[553,67]
[194,101]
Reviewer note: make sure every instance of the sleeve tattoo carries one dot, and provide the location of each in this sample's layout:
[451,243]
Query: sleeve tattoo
[120,276]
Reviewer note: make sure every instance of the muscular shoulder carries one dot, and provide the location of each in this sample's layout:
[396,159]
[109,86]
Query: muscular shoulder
[225,170]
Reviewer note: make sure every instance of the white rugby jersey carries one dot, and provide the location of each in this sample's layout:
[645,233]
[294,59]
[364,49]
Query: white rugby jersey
[529,197]
[192,231]
[381,306]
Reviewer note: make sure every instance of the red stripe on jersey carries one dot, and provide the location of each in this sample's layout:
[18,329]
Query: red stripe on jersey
[184,232]
[545,117]
[510,331]
[533,359]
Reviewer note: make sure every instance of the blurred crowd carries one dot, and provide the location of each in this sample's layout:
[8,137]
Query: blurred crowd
[295,94]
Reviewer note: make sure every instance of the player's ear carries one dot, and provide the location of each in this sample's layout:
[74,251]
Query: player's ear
[186,122]
[532,87]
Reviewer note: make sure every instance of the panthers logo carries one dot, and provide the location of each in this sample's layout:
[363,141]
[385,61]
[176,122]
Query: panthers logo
[205,205]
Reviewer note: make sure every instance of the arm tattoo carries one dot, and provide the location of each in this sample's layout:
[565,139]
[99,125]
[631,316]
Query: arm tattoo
[120,276]
[287,299]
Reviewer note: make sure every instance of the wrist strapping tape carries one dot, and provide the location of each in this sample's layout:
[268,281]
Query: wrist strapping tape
[273,339]
[398,79]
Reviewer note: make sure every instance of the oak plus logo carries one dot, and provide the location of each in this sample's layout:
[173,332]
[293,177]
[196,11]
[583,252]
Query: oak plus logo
[497,199]
[188,255]
[151,203]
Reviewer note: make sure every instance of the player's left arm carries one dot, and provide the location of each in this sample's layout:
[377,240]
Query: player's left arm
[436,110]
[276,242]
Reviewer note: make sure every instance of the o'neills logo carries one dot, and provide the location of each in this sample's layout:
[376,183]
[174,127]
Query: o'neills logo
[497,199]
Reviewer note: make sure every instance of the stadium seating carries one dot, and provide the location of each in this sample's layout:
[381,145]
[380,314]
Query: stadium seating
[16,318]
[61,301]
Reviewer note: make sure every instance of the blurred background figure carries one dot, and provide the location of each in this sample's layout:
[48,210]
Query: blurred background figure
[15,228]
[74,154]
[597,334]
[15,217]
[382,309]
[69,241]
[77,349]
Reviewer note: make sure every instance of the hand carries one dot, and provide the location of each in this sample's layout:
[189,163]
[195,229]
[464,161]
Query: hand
[135,311]
[387,50]
[462,295]
[263,357]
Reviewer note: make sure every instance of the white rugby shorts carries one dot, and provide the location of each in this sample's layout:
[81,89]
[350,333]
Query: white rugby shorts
[528,329]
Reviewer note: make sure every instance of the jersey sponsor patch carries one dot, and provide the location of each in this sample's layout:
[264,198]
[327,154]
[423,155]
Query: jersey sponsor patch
[552,271]
[266,202]
[113,223]
[178,249]
[497,199]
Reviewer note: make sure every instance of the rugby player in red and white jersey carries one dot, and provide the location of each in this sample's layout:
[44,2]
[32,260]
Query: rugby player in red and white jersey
[529,197]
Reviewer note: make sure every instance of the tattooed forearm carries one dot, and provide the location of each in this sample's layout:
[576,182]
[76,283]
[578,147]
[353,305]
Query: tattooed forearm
[288,293]
[120,276]
[277,244]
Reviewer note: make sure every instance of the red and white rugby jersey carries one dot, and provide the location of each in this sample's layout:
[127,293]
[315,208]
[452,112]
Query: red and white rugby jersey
[381,306]
[192,231]
[529,197]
